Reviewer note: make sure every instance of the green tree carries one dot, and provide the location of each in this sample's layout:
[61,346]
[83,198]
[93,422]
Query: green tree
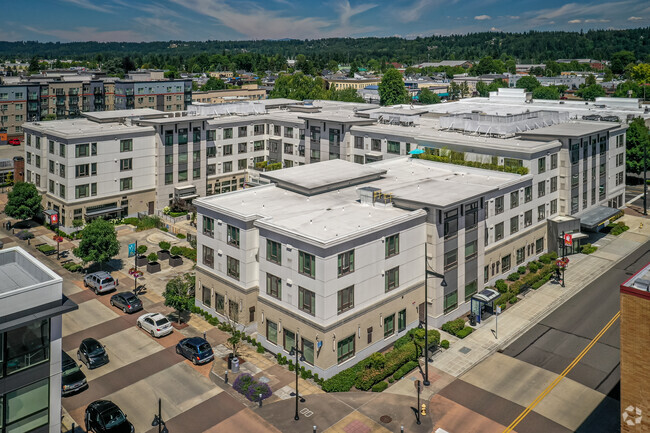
[344,95]
[590,80]
[553,68]
[609,76]
[299,86]
[528,82]
[542,92]
[98,243]
[511,66]
[428,97]
[213,84]
[641,74]
[620,60]
[623,89]
[34,66]
[23,201]
[391,89]
[179,293]
[637,138]
[590,93]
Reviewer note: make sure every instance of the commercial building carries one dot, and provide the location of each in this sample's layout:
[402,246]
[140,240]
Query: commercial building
[351,83]
[248,92]
[31,305]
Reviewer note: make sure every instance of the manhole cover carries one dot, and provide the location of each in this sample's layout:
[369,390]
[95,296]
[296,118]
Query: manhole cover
[385,419]
[464,350]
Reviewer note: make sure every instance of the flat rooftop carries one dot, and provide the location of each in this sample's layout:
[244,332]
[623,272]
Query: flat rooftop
[19,270]
[82,128]
[639,282]
[114,115]
[573,129]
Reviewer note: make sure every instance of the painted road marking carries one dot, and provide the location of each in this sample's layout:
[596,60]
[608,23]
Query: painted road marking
[306,412]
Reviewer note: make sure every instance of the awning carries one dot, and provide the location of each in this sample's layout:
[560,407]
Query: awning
[575,236]
[375,154]
[188,196]
[486,295]
[104,211]
[596,216]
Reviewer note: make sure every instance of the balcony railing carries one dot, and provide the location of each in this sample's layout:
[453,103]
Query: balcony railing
[60,101]
[98,91]
[32,96]
[73,92]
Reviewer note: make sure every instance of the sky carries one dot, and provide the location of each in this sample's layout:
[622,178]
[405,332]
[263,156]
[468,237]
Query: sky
[198,20]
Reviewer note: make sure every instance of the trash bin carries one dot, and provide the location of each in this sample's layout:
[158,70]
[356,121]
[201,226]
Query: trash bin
[235,365]
[472,319]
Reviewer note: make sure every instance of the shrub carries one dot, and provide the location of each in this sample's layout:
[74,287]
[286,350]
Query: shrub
[538,284]
[24,235]
[316,377]
[153,257]
[342,381]
[391,380]
[291,367]
[213,321]
[501,286]
[514,276]
[514,300]
[553,255]
[165,229]
[588,249]
[305,374]
[132,221]
[181,236]
[72,267]
[250,388]
[377,360]
[142,249]
[454,326]
[521,269]
[618,228]
[444,344]
[164,245]
[394,360]
[46,248]
[379,387]
[464,332]
[175,251]
[533,267]
[260,348]
[405,369]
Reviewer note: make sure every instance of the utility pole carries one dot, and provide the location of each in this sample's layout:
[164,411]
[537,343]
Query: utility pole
[645,176]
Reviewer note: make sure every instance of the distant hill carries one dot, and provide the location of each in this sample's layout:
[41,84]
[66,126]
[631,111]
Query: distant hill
[524,47]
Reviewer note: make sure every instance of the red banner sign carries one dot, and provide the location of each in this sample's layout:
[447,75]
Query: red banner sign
[568,240]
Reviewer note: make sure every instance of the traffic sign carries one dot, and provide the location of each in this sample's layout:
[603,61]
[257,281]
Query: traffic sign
[568,240]
[132,249]
[54,218]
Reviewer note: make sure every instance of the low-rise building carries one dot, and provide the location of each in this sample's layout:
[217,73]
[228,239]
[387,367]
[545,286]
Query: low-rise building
[248,92]
[351,83]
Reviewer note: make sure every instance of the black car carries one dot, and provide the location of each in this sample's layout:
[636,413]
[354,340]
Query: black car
[103,416]
[72,379]
[127,301]
[196,349]
[92,353]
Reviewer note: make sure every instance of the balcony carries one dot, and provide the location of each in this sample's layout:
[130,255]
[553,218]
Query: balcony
[59,92]
[73,92]
[99,100]
[32,96]
[60,101]
[74,100]
[128,92]
[98,91]
[32,106]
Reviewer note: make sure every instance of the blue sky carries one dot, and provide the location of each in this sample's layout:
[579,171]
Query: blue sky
[151,20]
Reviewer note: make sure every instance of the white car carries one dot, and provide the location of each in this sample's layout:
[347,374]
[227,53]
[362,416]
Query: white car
[155,324]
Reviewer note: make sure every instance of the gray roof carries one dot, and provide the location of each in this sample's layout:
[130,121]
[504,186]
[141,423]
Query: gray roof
[115,115]
[572,129]
[19,270]
[84,128]
[596,216]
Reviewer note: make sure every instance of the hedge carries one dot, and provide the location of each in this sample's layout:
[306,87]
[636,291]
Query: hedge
[405,369]
[368,376]
[464,332]
[45,248]
[454,326]
[444,344]
[379,387]
[521,269]
[342,381]
[475,164]
[72,266]
[588,249]
[501,286]
[514,276]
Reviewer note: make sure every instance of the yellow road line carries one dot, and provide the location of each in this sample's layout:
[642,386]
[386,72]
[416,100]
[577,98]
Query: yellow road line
[566,371]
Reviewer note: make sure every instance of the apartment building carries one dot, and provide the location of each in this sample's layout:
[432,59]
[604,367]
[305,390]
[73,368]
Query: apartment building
[351,83]
[248,92]
[31,306]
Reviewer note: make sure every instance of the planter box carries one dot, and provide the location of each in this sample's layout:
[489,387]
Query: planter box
[141,260]
[163,255]
[153,267]
[175,261]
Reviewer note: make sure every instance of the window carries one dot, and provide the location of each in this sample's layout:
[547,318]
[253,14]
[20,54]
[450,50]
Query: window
[392,279]
[273,252]
[196,173]
[307,264]
[471,215]
[27,408]
[451,301]
[208,226]
[51,186]
[521,255]
[345,299]
[470,289]
[273,286]
[233,267]
[182,175]
[126,164]
[346,263]
[345,349]
[227,167]
[182,136]
[82,170]
[498,232]
[62,191]
[392,245]
[82,191]
[451,259]
[241,164]
[242,131]
[233,236]
[539,245]
[486,274]
[528,218]
[393,147]
[375,145]
[335,137]
[505,263]
[554,206]
[210,135]
[451,223]
[514,224]
[227,149]
[258,129]
[541,189]
[471,249]
[528,194]
[227,133]
[51,166]
[38,161]
[93,149]
[308,351]
[288,132]
[38,142]
[541,212]
[196,136]
[51,147]
[498,205]
[554,161]
[206,296]
[514,199]
[401,321]
[389,326]
[82,150]
[126,183]
[27,346]
[358,142]
[306,301]
[93,189]
[208,256]
[242,148]
[541,165]
[126,145]
[554,184]
[62,149]
[272,332]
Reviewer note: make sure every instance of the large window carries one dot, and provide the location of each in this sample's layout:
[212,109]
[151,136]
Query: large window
[208,226]
[505,263]
[273,252]
[182,136]
[208,256]
[393,147]
[233,267]
[206,296]
[451,301]
[541,189]
[471,215]
[392,279]
[451,259]
[289,339]
[392,245]
[521,255]
[389,326]
[498,232]
[27,346]
[471,249]
[514,224]
[541,165]
[498,205]
[82,191]
[470,289]
[126,145]
[514,199]
[126,164]
[451,223]
[308,351]
[306,300]
[82,150]
[272,332]
[554,183]
[554,161]
[126,184]
[539,245]
[528,218]
[27,408]
[345,349]
[227,133]
[346,263]
[541,212]
[307,264]
[273,286]
[345,299]
[401,321]
[233,236]
[528,194]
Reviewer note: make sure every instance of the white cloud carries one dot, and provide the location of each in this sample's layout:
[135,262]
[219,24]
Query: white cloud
[513,17]
[482,17]
[158,26]
[407,14]
[88,4]
[93,34]
[596,21]
[494,29]
[346,11]
[635,19]
[574,21]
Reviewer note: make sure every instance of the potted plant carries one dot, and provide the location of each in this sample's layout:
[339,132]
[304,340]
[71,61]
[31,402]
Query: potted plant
[175,260]
[153,266]
[163,254]
[141,259]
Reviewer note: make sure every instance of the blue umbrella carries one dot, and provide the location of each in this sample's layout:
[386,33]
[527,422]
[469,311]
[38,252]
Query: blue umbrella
[416,152]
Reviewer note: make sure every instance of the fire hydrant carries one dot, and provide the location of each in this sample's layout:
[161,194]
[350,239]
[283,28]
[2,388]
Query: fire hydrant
[424,409]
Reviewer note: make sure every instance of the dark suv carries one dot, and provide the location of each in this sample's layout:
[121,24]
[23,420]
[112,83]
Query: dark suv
[127,301]
[103,416]
[196,349]
[72,379]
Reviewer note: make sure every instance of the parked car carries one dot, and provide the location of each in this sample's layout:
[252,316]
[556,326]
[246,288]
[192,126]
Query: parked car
[100,282]
[155,324]
[196,349]
[104,416]
[92,353]
[127,301]
[72,379]
[14,142]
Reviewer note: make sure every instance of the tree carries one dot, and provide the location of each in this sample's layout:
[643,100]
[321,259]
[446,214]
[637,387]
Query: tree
[590,93]
[391,88]
[542,92]
[590,80]
[428,97]
[528,82]
[628,89]
[620,60]
[344,95]
[23,202]
[299,86]
[641,74]
[213,84]
[99,242]
[179,293]
[637,138]
[34,66]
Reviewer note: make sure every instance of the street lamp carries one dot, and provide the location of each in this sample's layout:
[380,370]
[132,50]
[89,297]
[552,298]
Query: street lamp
[158,421]
[428,271]
[295,351]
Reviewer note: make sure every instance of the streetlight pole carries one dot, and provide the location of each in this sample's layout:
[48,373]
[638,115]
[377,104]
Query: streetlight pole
[428,272]
[645,176]
[295,351]
[158,421]
[417,409]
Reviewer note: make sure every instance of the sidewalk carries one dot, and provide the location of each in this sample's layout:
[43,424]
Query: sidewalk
[537,304]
